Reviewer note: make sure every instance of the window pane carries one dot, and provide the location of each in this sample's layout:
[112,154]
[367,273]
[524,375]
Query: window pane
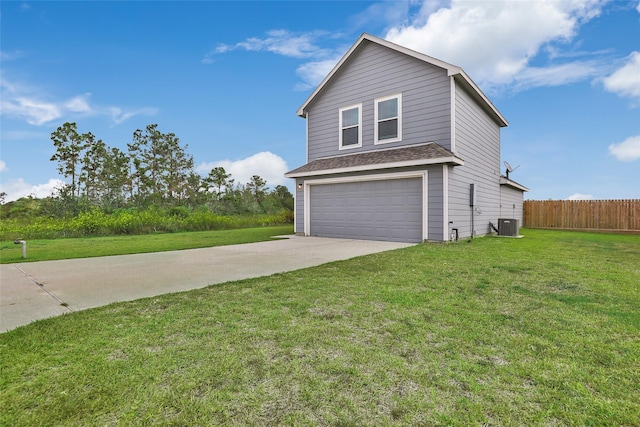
[388,109]
[350,136]
[349,117]
[388,129]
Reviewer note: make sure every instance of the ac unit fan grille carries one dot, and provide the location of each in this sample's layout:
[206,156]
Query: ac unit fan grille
[507,227]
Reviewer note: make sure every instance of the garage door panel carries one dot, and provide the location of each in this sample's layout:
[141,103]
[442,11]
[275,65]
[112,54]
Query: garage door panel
[398,217]
[378,210]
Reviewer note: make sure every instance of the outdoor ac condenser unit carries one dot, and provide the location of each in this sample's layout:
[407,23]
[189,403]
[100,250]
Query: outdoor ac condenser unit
[507,227]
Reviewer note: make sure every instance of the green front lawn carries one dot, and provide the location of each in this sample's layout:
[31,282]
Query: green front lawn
[84,247]
[542,330]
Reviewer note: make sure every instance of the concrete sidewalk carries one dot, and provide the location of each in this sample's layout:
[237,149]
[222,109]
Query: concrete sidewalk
[37,290]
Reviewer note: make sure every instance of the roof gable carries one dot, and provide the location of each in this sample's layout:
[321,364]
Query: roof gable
[458,73]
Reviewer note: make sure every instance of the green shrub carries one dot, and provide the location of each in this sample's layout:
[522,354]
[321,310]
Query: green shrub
[96,222]
[179,211]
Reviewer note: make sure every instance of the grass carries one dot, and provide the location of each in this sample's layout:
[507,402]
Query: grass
[535,331]
[52,249]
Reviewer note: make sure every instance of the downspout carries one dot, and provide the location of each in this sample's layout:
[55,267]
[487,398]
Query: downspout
[472,205]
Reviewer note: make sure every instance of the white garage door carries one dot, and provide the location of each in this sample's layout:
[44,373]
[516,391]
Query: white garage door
[371,210]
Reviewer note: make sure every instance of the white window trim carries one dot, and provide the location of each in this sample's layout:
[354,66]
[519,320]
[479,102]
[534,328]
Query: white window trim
[359,144]
[375,120]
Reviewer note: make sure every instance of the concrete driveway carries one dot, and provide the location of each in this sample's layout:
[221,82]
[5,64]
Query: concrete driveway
[37,290]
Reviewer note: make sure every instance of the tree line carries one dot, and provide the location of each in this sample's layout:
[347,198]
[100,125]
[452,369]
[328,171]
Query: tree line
[155,171]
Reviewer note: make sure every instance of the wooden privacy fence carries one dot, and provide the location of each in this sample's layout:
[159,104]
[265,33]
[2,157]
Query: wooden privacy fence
[595,215]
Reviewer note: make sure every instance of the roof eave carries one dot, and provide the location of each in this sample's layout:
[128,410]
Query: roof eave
[456,161]
[510,183]
[301,111]
[477,92]
[452,70]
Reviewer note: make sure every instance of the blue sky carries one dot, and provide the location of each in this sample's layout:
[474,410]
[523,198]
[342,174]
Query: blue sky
[228,77]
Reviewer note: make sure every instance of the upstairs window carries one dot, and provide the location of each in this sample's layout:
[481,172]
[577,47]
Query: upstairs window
[350,127]
[388,119]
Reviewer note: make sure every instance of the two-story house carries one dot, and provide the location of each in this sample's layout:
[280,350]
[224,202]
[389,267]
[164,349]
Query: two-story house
[401,147]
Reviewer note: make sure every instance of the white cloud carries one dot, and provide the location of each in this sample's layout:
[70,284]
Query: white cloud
[385,14]
[78,104]
[627,150]
[22,102]
[312,73]
[293,45]
[498,43]
[3,166]
[19,135]
[580,196]
[18,188]
[118,116]
[267,165]
[495,41]
[33,111]
[11,56]
[557,75]
[281,42]
[626,80]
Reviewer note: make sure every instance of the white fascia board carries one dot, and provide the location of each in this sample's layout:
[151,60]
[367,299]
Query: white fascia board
[513,184]
[451,69]
[421,162]
[324,81]
[501,119]
[364,178]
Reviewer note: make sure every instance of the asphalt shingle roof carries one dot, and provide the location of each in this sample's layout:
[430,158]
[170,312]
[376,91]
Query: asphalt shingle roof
[428,152]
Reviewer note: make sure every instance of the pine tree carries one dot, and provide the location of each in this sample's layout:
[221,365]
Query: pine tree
[69,148]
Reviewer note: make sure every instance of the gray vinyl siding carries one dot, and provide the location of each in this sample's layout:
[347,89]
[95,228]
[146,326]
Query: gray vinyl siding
[478,144]
[374,72]
[510,197]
